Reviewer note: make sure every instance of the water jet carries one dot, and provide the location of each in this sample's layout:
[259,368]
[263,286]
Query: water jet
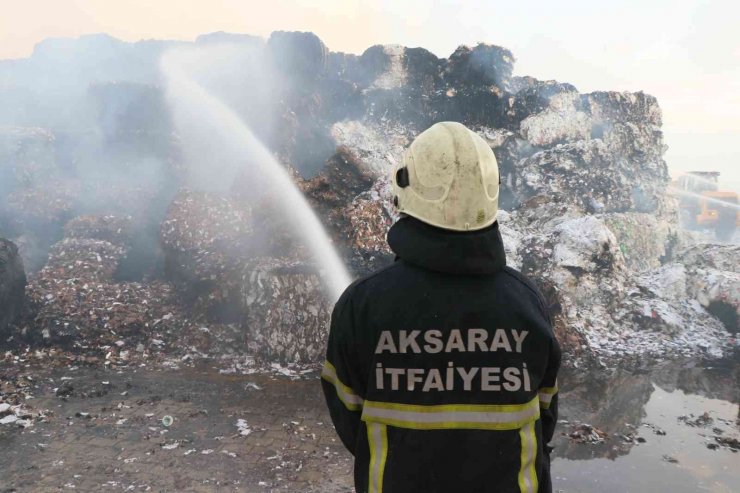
[221,130]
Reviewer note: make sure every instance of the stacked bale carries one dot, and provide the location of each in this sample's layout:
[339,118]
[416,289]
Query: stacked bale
[206,238]
[286,309]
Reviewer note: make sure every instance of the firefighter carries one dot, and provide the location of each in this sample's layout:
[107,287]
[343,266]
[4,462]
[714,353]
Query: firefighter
[441,369]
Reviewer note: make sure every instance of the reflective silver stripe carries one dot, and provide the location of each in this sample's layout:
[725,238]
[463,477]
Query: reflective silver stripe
[545,395]
[527,476]
[352,401]
[378,440]
[545,400]
[452,416]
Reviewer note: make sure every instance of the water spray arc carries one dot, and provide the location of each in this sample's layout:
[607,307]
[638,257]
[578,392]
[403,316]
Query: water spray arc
[228,129]
[695,195]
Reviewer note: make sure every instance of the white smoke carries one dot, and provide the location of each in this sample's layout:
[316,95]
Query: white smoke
[219,146]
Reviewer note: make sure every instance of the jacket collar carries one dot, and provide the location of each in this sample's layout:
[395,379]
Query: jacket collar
[474,252]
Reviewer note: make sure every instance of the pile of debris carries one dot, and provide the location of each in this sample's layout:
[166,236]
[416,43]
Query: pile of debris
[198,222]
[619,312]
[584,206]
[591,223]
[87,317]
[701,421]
[729,442]
[585,433]
[75,301]
[16,390]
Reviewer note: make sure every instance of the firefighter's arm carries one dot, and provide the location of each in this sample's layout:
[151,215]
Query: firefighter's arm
[548,393]
[344,401]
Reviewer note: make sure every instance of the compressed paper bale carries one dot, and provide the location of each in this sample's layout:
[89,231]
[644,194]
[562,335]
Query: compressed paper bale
[287,313]
[84,259]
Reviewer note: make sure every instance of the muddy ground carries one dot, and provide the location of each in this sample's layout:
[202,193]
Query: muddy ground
[104,432]
[110,436]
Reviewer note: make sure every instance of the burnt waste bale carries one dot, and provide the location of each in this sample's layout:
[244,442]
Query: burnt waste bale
[601,148]
[85,259]
[27,157]
[630,126]
[42,211]
[35,197]
[401,84]
[132,118]
[509,148]
[304,99]
[12,288]
[206,238]
[77,271]
[482,65]
[299,54]
[562,121]
[286,311]
[475,85]
[646,241]
[343,178]
[370,215]
[76,302]
[346,196]
[580,270]
[531,96]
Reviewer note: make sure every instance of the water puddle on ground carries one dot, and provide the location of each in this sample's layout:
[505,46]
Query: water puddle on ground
[666,429]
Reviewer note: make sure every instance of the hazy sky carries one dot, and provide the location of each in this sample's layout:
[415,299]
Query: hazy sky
[685,52]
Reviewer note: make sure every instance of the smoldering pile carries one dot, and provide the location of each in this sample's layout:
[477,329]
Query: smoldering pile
[218,264]
[583,204]
[77,302]
[205,239]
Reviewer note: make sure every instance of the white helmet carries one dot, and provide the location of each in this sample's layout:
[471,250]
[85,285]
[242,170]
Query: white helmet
[449,179]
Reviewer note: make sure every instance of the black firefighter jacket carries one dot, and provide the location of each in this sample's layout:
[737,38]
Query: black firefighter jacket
[440,373]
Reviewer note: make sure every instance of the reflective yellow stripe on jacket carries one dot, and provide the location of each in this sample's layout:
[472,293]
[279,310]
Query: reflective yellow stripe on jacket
[452,416]
[377,437]
[522,417]
[527,475]
[352,401]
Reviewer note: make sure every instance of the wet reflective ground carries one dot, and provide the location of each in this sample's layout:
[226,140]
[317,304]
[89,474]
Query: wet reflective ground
[667,429]
[108,436]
